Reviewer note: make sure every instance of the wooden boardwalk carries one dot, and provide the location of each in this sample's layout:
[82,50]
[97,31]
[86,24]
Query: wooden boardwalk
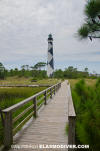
[49,127]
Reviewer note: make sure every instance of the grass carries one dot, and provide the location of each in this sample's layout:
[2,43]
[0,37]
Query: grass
[26,81]
[11,96]
[89,82]
[86,99]
[73,82]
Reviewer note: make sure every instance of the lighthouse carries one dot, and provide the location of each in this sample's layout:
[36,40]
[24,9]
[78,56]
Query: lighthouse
[50,61]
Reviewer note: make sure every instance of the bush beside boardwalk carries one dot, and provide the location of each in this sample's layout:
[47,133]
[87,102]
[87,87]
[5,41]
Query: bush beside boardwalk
[87,105]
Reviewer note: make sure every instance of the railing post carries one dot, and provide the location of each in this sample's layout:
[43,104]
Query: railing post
[57,87]
[71,131]
[51,93]
[54,90]
[45,97]
[35,107]
[8,136]
[2,119]
[71,120]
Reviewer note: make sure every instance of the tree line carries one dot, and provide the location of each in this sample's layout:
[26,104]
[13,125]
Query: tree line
[38,72]
[25,71]
[71,73]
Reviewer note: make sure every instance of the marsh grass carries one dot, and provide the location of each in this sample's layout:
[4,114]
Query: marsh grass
[89,82]
[86,98]
[11,96]
[27,81]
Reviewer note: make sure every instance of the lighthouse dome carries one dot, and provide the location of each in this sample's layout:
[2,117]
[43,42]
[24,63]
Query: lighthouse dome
[50,37]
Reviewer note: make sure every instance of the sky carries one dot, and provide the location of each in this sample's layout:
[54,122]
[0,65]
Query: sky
[24,29]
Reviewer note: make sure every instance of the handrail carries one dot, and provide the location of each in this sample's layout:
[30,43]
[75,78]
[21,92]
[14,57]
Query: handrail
[37,99]
[2,119]
[20,115]
[71,118]
[20,104]
[71,109]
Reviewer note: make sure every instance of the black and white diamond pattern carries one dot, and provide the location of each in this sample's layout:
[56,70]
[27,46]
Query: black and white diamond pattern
[50,62]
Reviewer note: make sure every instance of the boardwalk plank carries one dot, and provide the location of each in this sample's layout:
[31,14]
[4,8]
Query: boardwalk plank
[49,127]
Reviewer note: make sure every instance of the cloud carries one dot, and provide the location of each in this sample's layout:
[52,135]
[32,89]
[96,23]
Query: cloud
[25,25]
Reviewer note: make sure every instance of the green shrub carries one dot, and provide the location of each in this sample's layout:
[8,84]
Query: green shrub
[87,105]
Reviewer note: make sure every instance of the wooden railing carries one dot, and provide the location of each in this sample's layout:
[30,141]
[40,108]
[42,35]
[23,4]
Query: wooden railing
[1,117]
[71,119]
[37,101]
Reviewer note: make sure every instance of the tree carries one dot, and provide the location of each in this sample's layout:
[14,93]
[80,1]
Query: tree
[86,69]
[23,67]
[27,67]
[16,72]
[11,72]
[39,65]
[2,71]
[91,28]
[70,72]
[22,70]
[58,73]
